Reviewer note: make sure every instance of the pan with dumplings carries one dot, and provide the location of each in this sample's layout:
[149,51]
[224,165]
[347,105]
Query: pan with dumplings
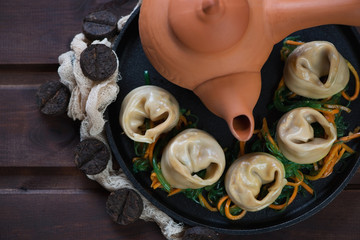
[133,63]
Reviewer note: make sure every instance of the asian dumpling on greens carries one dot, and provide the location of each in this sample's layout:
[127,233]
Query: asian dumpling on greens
[316,70]
[296,137]
[247,175]
[189,153]
[148,103]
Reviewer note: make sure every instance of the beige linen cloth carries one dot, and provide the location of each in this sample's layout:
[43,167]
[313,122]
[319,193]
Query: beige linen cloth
[88,103]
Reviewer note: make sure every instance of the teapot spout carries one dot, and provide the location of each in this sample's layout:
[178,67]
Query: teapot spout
[286,17]
[233,98]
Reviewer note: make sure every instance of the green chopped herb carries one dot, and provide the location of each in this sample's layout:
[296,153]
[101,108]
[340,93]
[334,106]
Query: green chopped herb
[147,78]
[141,165]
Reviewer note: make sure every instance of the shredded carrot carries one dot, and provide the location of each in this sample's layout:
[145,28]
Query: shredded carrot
[267,133]
[291,42]
[157,185]
[153,176]
[242,148]
[300,182]
[206,204]
[316,167]
[150,150]
[327,173]
[333,111]
[343,150]
[147,151]
[330,115]
[154,181]
[307,188]
[302,177]
[259,135]
[221,201]
[296,183]
[330,168]
[174,191]
[326,99]
[347,148]
[256,131]
[327,162]
[228,213]
[135,158]
[357,129]
[357,84]
[350,137]
[330,118]
[292,95]
[293,184]
[330,161]
[336,106]
[281,83]
[182,120]
[291,199]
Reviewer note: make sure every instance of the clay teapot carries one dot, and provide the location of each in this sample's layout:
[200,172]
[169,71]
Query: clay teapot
[217,47]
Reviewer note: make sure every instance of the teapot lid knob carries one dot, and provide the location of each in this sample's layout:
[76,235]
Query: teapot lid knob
[211,7]
[208,26]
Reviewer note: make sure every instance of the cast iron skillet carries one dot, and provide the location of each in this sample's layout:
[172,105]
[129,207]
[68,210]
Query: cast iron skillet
[133,63]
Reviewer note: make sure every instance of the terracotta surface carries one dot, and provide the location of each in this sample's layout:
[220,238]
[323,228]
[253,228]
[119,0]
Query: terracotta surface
[217,47]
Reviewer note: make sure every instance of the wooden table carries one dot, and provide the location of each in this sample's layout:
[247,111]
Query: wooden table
[42,194]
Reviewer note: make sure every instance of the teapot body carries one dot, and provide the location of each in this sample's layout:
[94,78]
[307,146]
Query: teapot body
[217,47]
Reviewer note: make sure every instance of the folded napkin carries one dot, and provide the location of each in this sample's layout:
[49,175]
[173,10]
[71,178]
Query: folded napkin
[88,102]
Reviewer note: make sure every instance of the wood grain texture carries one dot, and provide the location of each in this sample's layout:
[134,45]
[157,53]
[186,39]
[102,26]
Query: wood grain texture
[80,214]
[30,75]
[29,138]
[37,32]
[77,214]
[42,194]
[44,178]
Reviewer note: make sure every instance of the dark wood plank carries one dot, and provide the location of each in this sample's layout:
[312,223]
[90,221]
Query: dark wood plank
[27,75]
[339,220]
[29,138]
[356,179]
[80,214]
[37,32]
[76,214]
[44,178]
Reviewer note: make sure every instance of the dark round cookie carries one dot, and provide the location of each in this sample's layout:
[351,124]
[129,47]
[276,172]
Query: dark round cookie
[99,25]
[91,156]
[200,233]
[53,98]
[98,62]
[124,206]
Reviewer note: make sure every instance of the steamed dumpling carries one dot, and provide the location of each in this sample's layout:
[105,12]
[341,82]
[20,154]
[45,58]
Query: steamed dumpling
[246,176]
[148,102]
[189,152]
[308,63]
[295,135]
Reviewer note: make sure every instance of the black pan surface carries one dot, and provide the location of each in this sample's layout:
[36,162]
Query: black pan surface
[133,63]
